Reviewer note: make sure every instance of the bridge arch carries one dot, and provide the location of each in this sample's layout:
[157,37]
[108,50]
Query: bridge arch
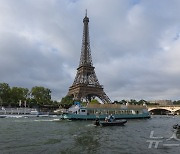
[160,111]
[159,108]
[169,109]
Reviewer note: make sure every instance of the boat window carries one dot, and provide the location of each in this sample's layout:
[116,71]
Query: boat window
[104,112]
[90,111]
[83,110]
[111,112]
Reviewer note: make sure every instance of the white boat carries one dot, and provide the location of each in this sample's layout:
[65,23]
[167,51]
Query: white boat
[21,112]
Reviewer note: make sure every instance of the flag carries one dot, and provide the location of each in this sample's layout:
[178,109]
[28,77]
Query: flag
[20,103]
[24,103]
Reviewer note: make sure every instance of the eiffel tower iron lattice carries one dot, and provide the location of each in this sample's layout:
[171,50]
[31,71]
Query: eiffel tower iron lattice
[86,85]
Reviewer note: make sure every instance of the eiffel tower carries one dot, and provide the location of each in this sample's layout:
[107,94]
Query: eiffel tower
[86,85]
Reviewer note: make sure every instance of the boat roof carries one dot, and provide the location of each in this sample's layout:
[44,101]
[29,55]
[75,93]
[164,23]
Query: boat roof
[114,106]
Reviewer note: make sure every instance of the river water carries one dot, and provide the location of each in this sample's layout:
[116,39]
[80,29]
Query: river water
[50,136]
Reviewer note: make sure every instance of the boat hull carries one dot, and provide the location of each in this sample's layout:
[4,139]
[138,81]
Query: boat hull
[113,123]
[102,117]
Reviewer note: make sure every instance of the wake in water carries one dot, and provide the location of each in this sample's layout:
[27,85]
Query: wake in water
[90,125]
[40,120]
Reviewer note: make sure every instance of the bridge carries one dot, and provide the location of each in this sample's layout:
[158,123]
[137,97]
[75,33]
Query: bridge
[173,109]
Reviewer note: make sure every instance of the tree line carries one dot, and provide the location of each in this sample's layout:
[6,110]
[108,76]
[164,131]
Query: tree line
[68,101]
[18,96]
[40,96]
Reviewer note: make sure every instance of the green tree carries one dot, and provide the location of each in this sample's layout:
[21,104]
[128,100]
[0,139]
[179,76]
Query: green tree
[19,94]
[176,102]
[141,102]
[56,103]
[122,102]
[67,101]
[4,93]
[94,101]
[41,95]
[133,101]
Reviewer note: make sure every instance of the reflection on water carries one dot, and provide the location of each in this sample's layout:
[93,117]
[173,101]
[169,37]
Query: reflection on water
[49,135]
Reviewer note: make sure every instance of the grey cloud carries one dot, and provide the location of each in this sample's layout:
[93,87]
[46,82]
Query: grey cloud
[134,44]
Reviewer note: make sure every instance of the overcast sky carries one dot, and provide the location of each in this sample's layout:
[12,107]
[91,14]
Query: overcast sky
[135,45]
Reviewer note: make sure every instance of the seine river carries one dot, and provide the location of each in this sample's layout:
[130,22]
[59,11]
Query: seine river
[49,136]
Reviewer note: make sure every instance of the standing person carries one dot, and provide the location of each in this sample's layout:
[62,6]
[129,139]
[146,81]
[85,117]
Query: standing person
[106,119]
[111,118]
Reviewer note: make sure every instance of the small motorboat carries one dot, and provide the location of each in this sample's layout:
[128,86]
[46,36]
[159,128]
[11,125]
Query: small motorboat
[176,126]
[110,123]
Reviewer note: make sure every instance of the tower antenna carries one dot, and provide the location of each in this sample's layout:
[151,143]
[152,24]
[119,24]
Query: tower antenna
[86,13]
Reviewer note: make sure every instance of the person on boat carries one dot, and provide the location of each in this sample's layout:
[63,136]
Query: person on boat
[176,127]
[106,119]
[97,122]
[111,118]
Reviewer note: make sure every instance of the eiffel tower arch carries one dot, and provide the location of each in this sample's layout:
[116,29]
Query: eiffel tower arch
[86,85]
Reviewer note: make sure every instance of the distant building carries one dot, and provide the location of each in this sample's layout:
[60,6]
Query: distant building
[161,102]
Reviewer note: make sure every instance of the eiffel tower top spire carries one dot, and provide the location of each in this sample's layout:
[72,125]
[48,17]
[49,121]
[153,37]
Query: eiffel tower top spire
[85,59]
[86,13]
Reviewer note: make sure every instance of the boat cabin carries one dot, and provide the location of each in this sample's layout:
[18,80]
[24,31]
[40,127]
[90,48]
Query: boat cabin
[76,109]
[105,110]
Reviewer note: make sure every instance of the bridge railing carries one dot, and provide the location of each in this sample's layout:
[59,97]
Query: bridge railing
[162,106]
